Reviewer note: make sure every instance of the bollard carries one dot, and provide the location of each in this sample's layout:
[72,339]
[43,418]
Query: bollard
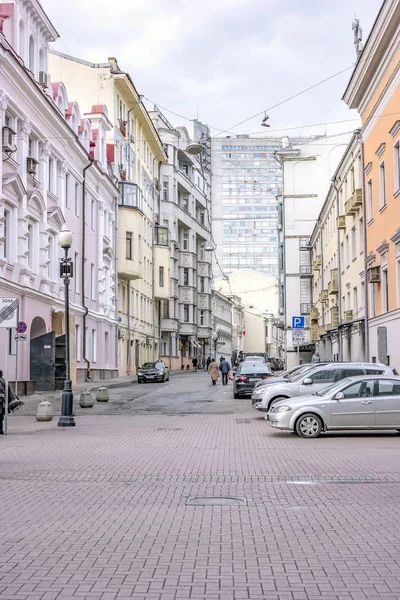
[86,400]
[102,395]
[44,411]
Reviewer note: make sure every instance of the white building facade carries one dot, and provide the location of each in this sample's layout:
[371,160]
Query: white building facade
[186,323]
[53,174]
[307,170]
[222,331]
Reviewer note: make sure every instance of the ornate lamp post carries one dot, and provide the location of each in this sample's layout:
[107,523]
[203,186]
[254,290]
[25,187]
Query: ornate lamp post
[66,272]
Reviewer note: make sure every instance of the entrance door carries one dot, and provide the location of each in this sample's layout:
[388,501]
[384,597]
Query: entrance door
[42,361]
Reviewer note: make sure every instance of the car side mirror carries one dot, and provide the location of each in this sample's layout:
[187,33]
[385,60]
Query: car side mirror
[308,381]
[339,396]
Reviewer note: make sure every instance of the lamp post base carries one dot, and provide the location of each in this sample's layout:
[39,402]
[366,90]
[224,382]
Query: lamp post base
[67,406]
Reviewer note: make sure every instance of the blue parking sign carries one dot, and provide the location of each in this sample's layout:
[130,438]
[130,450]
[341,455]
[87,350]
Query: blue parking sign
[297,322]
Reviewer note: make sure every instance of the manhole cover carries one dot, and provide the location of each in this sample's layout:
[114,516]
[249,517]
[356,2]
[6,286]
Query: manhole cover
[243,420]
[217,501]
[169,429]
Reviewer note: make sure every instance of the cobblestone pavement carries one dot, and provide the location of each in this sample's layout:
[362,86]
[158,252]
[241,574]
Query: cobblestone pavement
[103,511]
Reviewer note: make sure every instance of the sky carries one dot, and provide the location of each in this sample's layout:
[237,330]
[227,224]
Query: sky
[226,60]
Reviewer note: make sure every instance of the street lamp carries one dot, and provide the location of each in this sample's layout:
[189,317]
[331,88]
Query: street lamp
[66,272]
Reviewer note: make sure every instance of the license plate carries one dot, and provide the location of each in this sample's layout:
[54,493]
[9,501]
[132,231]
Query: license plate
[253,379]
[150,376]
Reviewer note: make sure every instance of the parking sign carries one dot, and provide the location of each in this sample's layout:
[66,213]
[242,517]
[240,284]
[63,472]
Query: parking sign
[297,322]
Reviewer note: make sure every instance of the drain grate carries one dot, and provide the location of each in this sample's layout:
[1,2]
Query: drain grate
[169,429]
[216,501]
[243,420]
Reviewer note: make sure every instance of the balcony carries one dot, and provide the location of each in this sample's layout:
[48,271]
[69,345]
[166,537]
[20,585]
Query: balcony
[335,316]
[306,271]
[305,308]
[130,196]
[314,333]
[324,296]
[349,208]
[305,244]
[314,313]
[317,263]
[341,222]
[333,286]
[357,199]
[348,315]
[322,329]
[169,324]
[162,259]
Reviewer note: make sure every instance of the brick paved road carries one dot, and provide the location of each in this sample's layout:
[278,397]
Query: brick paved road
[100,512]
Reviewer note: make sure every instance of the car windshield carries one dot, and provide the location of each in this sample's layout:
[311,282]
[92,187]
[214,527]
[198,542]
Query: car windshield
[149,366]
[248,369]
[255,358]
[331,388]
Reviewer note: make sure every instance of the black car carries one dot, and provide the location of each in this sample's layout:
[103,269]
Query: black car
[247,375]
[153,371]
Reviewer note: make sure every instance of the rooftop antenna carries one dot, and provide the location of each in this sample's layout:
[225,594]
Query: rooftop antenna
[357,36]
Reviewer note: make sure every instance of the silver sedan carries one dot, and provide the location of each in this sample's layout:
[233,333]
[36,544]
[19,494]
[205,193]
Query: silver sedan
[366,402]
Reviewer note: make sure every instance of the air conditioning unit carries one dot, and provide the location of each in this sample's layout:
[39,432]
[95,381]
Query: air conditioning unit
[8,139]
[341,222]
[31,165]
[374,275]
[43,78]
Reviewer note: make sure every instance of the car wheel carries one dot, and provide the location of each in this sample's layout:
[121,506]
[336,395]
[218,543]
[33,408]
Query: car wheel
[309,426]
[139,381]
[275,400]
[236,396]
[164,379]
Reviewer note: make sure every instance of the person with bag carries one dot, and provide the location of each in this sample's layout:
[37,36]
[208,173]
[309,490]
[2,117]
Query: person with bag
[224,367]
[213,371]
[13,401]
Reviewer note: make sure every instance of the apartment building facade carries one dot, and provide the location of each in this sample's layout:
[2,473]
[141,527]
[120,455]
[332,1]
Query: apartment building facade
[133,146]
[52,175]
[222,330]
[307,169]
[184,212]
[374,91]
[337,316]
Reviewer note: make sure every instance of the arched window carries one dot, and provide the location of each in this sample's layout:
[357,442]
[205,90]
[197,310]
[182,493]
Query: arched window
[22,39]
[31,61]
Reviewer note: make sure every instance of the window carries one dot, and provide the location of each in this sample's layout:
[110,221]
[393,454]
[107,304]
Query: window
[186,241]
[186,313]
[202,280]
[185,276]
[162,236]
[6,234]
[77,271]
[66,190]
[347,251]
[374,371]
[352,180]
[350,372]
[361,389]
[77,211]
[92,282]
[94,345]
[387,387]
[397,166]
[185,203]
[323,376]
[202,318]
[382,185]
[385,290]
[202,218]
[78,342]
[165,310]
[161,276]
[140,248]
[361,234]
[355,301]
[29,242]
[51,174]
[353,243]
[372,300]
[129,245]
[50,256]
[370,212]
[31,60]
[165,190]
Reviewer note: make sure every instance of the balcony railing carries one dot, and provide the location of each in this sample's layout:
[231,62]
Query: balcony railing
[348,315]
[130,196]
[306,271]
[317,263]
[314,313]
[305,244]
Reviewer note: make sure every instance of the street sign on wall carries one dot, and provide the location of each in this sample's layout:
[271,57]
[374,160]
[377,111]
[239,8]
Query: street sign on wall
[8,312]
[297,322]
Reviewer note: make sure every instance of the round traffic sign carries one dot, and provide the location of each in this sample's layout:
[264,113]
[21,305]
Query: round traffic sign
[21,327]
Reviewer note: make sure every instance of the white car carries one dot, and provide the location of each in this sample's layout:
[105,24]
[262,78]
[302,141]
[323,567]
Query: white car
[314,381]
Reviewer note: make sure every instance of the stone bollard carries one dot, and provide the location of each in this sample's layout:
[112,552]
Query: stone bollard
[86,400]
[44,411]
[102,395]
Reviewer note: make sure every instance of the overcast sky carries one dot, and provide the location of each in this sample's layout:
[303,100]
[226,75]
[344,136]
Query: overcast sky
[225,60]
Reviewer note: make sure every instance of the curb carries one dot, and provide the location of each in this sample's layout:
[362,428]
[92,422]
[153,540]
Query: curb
[115,383]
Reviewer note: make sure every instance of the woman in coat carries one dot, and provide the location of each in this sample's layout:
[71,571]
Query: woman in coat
[213,371]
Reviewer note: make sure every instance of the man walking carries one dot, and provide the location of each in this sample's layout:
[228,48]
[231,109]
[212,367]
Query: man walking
[194,363]
[224,367]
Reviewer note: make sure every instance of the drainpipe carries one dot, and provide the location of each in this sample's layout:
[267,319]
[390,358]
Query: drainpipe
[116,281]
[364,213]
[283,272]
[339,264]
[128,350]
[153,256]
[85,308]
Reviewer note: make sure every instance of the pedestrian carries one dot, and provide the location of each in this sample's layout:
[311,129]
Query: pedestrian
[194,363]
[208,362]
[224,367]
[13,401]
[315,357]
[213,371]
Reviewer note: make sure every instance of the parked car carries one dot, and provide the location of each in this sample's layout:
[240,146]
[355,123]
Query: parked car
[367,402]
[247,375]
[153,371]
[288,375]
[314,380]
[255,358]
